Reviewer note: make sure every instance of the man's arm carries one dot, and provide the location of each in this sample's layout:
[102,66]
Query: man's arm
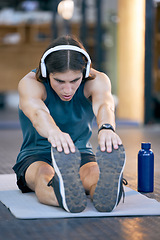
[104,110]
[31,101]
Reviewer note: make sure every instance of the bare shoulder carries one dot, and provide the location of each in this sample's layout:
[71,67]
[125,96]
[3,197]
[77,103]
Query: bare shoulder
[30,87]
[99,85]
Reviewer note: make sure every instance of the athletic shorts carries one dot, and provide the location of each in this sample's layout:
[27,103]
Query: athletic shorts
[21,167]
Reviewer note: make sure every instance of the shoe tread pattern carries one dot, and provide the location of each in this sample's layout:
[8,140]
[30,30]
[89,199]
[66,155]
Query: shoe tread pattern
[110,165]
[68,165]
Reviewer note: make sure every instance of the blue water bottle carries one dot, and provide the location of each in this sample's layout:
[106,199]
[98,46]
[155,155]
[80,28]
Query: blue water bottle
[145,168]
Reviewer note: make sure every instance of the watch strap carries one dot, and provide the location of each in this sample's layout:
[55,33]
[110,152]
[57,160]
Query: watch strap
[106,126]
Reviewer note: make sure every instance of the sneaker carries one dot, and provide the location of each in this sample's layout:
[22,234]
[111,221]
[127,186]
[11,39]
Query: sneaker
[109,189]
[66,182]
[123,181]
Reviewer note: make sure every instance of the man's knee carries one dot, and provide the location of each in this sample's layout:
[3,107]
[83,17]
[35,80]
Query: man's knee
[44,170]
[89,175]
[38,175]
[36,172]
[44,174]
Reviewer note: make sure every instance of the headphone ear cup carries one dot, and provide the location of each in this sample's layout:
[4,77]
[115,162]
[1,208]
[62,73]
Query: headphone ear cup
[43,70]
[87,70]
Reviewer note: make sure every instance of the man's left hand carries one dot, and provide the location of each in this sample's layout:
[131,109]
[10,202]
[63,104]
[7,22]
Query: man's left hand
[107,138]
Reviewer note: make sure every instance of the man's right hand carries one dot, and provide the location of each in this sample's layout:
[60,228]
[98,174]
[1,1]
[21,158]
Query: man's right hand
[62,141]
[33,106]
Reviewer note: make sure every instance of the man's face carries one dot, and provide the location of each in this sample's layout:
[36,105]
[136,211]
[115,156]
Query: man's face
[65,84]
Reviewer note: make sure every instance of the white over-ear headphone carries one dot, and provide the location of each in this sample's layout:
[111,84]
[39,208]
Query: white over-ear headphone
[64,47]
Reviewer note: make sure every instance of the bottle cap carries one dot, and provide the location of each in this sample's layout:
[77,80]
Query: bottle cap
[145,145]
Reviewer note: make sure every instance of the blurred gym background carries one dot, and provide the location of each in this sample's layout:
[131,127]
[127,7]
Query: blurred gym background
[121,36]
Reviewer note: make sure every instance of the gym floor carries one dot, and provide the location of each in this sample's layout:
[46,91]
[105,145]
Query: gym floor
[82,228]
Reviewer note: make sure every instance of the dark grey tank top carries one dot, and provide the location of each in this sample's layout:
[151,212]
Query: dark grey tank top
[73,117]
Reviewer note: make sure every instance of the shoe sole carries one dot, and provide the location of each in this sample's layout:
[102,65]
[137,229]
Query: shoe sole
[111,167]
[72,192]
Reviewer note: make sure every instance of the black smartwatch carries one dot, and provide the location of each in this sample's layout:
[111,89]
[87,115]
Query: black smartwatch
[106,126]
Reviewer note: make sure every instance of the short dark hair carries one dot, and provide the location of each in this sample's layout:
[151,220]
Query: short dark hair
[61,61]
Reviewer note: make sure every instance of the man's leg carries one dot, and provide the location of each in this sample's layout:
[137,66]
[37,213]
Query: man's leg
[37,177]
[89,174]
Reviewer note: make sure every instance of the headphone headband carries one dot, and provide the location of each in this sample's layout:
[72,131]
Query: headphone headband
[64,47]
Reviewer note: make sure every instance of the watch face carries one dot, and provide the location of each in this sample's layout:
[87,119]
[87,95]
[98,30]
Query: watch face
[106,125]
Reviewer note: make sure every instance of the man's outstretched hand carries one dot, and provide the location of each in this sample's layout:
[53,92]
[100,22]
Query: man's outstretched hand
[107,139]
[62,141]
